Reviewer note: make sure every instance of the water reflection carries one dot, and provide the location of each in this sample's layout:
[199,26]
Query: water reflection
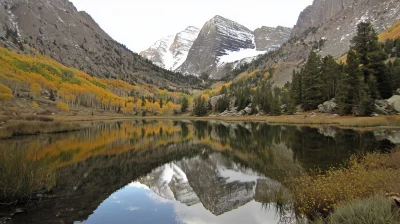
[189,171]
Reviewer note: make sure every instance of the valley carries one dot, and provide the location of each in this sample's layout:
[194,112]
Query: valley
[211,122]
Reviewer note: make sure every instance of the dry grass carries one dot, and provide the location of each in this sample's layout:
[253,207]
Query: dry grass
[319,194]
[392,33]
[21,177]
[26,127]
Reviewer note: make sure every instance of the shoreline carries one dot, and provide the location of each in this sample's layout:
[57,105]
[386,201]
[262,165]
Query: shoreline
[390,122]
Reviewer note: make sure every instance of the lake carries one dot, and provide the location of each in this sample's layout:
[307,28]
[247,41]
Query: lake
[149,171]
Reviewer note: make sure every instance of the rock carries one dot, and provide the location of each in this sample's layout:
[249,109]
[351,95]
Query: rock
[219,36]
[327,107]
[374,115]
[382,103]
[398,92]
[394,101]
[241,113]
[214,100]
[247,110]
[380,110]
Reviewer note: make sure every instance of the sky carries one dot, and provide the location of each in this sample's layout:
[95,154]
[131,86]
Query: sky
[140,23]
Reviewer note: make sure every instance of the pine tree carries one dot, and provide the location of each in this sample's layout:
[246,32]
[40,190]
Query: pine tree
[331,71]
[185,104]
[52,97]
[143,101]
[350,85]
[296,88]
[398,47]
[161,103]
[312,83]
[224,90]
[379,69]
[365,41]
[371,56]
[200,107]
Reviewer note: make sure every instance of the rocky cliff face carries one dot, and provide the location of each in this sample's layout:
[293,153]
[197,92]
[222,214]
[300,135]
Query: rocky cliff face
[73,38]
[327,26]
[221,41]
[271,38]
[171,51]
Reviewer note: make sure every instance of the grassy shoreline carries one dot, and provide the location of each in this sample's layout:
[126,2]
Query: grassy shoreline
[354,122]
[32,125]
[340,191]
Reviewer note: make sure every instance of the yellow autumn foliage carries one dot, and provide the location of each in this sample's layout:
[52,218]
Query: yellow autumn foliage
[6,93]
[63,106]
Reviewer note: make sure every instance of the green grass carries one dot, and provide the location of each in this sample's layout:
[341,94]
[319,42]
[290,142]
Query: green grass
[376,209]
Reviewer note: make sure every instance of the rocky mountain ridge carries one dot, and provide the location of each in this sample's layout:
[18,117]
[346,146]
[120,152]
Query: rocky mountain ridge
[327,27]
[57,29]
[220,42]
[171,51]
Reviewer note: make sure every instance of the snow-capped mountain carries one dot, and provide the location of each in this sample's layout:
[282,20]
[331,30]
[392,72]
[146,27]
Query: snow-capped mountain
[171,51]
[220,42]
[223,41]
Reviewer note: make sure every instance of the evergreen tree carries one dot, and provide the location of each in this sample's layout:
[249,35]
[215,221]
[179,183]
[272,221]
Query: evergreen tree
[398,47]
[312,83]
[200,107]
[222,104]
[161,103]
[52,97]
[350,85]
[224,90]
[371,56]
[379,69]
[365,41]
[331,71]
[185,104]
[296,88]
[143,101]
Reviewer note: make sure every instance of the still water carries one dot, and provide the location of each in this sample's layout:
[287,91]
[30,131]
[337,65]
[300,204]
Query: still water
[183,172]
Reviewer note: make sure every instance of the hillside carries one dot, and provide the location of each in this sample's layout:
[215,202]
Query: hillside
[327,26]
[56,28]
[40,84]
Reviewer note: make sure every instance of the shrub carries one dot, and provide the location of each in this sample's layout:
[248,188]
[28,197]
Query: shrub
[35,105]
[62,106]
[372,210]
[316,195]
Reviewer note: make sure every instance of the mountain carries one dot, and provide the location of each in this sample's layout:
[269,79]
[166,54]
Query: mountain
[56,28]
[326,26]
[218,46]
[223,41]
[171,51]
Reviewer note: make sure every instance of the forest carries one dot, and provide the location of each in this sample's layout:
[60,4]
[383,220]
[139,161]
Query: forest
[370,72]
[40,80]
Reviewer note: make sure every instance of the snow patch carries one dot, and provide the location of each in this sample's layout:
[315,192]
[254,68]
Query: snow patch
[232,56]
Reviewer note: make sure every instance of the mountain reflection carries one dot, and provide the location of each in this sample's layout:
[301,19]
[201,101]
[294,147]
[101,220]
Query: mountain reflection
[214,168]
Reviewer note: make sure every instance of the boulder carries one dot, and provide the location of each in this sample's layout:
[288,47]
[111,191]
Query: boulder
[394,101]
[214,100]
[327,107]
[248,110]
[382,103]
[241,113]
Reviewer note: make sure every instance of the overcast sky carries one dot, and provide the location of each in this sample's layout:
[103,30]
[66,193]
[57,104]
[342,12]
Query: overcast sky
[140,23]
